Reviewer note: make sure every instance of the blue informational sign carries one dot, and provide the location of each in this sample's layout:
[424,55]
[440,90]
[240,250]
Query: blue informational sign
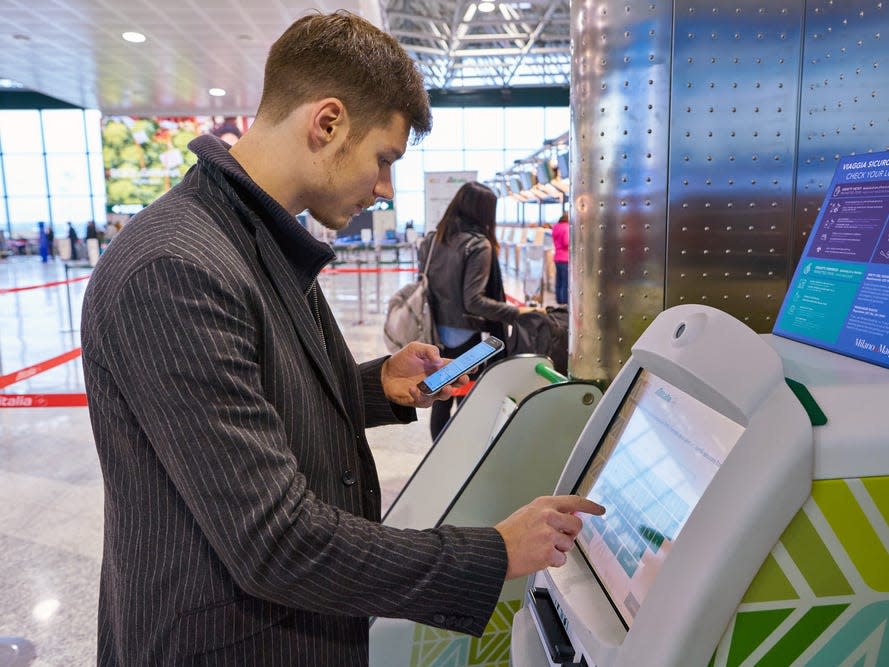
[839,296]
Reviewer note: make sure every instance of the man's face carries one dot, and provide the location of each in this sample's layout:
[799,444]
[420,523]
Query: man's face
[359,173]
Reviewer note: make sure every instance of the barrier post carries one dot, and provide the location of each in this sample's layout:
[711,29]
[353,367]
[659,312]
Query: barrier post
[358,263]
[68,297]
[378,254]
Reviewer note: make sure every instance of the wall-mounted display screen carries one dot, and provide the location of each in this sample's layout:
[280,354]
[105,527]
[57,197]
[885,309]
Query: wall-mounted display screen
[544,172]
[839,296]
[658,455]
[563,164]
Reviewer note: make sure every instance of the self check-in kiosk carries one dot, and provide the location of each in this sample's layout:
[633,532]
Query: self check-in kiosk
[505,445]
[745,477]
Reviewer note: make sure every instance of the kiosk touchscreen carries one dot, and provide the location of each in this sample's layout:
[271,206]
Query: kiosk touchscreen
[654,463]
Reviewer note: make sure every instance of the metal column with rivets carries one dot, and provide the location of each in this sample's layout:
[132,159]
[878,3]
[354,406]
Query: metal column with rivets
[703,136]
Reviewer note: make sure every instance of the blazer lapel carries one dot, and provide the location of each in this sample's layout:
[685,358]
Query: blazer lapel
[290,281]
[300,310]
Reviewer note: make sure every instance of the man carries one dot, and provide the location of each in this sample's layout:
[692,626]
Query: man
[241,499]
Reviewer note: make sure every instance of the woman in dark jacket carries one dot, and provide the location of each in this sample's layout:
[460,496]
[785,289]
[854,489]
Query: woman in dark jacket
[465,284]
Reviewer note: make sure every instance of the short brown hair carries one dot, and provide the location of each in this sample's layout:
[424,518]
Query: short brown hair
[344,56]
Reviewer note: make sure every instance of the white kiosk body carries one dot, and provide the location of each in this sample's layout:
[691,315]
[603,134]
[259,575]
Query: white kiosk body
[716,547]
[682,452]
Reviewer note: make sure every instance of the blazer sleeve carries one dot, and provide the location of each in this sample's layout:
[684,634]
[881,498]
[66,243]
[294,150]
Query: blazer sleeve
[181,342]
[476,271]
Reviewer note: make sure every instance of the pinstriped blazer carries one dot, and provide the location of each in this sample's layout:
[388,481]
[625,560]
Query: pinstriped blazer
[241,498]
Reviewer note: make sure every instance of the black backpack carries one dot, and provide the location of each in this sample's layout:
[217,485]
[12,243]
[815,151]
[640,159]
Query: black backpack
[542,333]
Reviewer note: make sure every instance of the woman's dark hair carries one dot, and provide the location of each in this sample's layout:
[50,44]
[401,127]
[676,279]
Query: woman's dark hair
[473,207]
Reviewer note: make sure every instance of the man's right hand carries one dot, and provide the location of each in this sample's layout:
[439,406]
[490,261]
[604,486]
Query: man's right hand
[539,534]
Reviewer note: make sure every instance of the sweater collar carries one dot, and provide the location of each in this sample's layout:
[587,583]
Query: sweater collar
[298,245]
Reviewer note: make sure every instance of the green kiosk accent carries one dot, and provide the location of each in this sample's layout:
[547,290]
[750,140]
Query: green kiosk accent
[745,477]
[505,445]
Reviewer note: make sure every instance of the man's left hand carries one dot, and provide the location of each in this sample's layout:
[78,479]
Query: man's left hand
[410,365]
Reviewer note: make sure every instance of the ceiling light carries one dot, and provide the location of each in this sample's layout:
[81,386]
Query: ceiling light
[486,6]
[134,37]
[217,92]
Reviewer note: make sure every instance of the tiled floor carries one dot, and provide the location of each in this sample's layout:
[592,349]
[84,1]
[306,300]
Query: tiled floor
[50,482]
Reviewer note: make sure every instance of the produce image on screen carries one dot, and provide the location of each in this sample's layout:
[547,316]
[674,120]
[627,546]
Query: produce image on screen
[654,462]
[146,156]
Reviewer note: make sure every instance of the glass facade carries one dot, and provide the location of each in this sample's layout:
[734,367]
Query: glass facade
[483,139]
[51,161]
[50,169]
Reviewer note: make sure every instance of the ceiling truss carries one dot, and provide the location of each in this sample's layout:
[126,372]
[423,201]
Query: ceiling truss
[460,45]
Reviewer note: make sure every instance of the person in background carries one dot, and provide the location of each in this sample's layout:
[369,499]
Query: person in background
[72,236]
[91,232]
[561,252]
[42,242]
[228,131]
[242,502]
[51,241]
[465,282]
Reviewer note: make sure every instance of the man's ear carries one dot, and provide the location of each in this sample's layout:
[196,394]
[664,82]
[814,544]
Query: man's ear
[328,121]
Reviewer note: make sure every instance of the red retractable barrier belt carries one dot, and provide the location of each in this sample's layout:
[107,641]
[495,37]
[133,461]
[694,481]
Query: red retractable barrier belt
[31,371]
[10,290]
[368,270]
[42,400]
[75,400]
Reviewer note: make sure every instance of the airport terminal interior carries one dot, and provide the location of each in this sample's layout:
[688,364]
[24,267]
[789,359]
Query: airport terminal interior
[716,375]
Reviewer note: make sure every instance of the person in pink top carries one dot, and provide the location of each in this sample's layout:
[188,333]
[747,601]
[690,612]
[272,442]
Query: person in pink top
[561,243]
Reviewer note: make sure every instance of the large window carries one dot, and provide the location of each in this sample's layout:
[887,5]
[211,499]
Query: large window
[483,139]
[50,169]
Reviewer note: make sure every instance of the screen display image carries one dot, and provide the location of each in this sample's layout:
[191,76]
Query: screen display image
[462,364]
[659,454]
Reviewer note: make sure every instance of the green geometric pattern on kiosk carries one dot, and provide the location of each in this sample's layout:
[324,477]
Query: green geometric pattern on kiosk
[863,640]
[770,584]
[751,628]
[878,488]
[854,530]
[443,648]
[813,558]
[800,636]
[821,597]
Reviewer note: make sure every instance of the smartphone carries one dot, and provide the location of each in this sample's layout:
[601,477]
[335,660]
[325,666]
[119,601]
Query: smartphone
[457,367]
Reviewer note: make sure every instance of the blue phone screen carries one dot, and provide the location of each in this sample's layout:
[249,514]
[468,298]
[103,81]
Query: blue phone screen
[466,361]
